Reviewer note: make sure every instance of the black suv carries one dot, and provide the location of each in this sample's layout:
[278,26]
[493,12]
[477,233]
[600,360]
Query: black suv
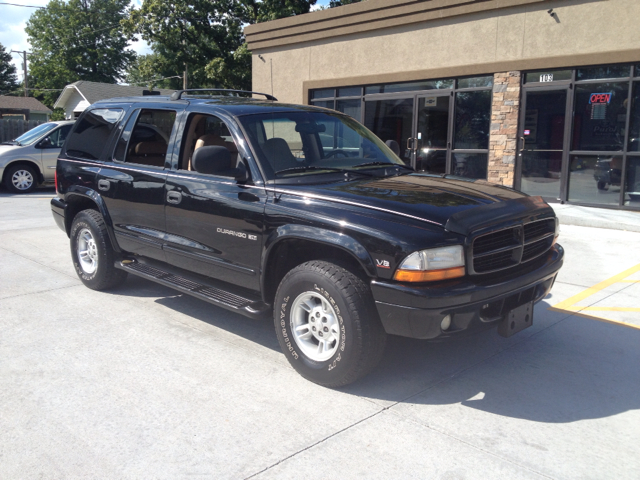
[302,214]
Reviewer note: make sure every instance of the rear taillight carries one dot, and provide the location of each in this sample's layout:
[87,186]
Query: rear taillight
[55,179]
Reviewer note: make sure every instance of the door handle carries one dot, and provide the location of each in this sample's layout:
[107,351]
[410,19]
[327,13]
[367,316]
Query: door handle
[104,185]
[174,197]
[522,149]
[410,143]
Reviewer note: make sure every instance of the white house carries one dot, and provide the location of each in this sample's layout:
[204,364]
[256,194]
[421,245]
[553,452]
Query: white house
[79,95]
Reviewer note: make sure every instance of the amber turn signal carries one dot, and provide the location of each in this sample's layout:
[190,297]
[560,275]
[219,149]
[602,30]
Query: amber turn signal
[428,275]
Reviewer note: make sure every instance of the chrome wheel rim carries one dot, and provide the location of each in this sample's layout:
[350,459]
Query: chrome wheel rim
[87,251]
[315,326]
[22,179]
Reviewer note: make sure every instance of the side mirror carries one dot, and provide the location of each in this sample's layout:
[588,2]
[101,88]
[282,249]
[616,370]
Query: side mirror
[45,143]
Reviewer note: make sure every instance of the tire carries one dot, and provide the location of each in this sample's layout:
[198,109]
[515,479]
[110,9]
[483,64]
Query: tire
[21,179]
[349,339]
[91,252]
[602,185]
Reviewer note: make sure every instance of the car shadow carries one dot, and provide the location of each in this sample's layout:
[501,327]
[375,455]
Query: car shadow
[563,369]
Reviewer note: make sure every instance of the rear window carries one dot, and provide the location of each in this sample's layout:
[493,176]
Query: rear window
[91,133]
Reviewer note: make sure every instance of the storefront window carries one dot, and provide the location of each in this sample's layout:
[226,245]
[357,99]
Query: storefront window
[595,179]
[350,92]
[609,71]
[544,76]
[323,104]
[476,82]
[634,127]
[473,118]
[352,108]
[410,86]
[632,190]
[600,116]
[470,165]
[323,93]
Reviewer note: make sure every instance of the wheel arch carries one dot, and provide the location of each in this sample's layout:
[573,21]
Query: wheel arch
[87,199]
[291,245]
[26,162]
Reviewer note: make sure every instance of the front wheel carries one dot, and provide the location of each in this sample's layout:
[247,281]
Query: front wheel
[327,324]
[92,253]
[21,179]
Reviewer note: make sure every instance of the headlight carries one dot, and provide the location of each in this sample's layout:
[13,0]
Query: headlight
[432,264]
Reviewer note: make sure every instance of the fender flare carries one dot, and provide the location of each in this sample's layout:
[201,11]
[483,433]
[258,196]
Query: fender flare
[316,235]
[96,198]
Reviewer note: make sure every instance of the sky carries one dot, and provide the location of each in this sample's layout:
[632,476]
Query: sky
[13,19]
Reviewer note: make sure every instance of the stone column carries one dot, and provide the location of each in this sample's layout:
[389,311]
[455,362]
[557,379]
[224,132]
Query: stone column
[503,138]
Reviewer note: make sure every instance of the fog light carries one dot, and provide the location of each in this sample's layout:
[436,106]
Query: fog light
[446,323]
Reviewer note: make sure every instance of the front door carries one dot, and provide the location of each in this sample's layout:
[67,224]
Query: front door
[544,130]
[431,139]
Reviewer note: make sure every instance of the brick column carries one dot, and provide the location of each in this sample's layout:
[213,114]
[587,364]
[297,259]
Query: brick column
[503,139]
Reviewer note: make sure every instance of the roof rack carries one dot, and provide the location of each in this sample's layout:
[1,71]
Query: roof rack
[177,95]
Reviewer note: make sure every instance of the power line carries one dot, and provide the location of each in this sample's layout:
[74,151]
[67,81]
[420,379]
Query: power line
[18,5]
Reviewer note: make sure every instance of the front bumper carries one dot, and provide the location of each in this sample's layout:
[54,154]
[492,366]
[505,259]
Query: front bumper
[474,303]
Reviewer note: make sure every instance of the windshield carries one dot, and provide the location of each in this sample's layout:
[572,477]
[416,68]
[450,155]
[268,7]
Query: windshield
[34,134]
[314,143]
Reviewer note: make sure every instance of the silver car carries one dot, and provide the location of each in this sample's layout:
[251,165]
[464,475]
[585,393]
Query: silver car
[31,158]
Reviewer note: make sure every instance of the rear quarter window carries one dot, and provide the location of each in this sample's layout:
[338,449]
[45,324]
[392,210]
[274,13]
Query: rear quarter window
[92,131]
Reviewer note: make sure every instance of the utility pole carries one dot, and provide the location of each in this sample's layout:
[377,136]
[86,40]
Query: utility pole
[24,69]
[184,77]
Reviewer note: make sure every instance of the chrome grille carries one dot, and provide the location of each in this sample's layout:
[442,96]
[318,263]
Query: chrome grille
[512,246]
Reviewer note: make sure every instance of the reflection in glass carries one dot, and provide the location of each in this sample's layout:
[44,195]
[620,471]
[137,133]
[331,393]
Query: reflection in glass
[547,76]
[595,179]
[391,120]
[323,93]
[632,190]
[470,165]
[607,71]
[350,92]
[410,86]
[323,104]
[352,108]
[476,82]
[600,116]
[433,122]
[634,127]
[473,118]
[541,173]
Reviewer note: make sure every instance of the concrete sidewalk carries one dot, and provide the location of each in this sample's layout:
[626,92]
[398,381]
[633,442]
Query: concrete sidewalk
[597,217]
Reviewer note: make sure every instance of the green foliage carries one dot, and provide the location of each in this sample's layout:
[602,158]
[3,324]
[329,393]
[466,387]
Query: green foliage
[57,114]
[339,3]
[205,36]
[8,78]
[77,40]
[151,71]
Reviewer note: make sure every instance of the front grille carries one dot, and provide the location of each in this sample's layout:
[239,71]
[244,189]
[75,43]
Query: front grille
[512,246]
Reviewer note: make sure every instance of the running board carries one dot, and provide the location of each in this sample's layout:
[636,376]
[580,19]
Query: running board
[245,306]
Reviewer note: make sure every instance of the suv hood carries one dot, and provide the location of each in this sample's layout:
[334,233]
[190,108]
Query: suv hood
[426,197]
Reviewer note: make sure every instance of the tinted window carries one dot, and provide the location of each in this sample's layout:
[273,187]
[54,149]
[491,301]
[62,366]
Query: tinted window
[149,139]
[473,118]
[91,133]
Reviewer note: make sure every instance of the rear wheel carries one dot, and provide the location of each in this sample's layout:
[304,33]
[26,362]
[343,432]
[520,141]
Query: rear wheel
[327,324]
[92,253]
[21,179]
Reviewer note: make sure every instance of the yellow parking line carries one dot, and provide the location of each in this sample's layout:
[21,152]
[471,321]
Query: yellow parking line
[569,305]
[596,288]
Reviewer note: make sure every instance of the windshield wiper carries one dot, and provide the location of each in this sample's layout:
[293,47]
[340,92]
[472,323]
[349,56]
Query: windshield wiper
[328,169]
[385,164]
[11,142]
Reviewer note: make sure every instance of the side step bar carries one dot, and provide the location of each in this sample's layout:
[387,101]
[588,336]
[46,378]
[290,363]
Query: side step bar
[245,306]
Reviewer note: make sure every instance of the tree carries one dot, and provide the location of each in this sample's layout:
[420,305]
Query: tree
[153,71]
[206,35]
[8,78]
[77,40]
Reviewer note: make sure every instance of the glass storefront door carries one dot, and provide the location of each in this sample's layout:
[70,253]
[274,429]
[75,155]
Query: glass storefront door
[392,120]
[431,137]
[543,142]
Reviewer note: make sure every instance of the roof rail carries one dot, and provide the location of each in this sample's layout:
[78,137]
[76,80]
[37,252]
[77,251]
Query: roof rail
[177,95]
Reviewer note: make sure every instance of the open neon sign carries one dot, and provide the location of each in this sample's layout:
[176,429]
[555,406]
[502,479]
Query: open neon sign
[600,98]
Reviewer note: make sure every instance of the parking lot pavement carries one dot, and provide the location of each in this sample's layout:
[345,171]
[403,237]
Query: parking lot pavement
[143,382]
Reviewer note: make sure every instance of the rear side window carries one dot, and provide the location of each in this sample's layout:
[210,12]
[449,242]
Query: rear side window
[145,138]
[91,134]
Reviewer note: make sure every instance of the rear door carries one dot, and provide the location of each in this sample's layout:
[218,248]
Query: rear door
[214,223]
[50,147]
[132,183]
